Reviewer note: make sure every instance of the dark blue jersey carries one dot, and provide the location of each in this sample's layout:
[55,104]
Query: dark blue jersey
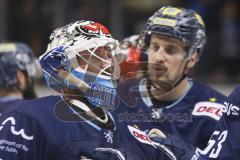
[48,129]
[5,101]
[225,141]
[193,117]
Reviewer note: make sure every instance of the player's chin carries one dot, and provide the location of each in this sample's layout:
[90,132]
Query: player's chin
[155,75]
[158,78]
[154,79]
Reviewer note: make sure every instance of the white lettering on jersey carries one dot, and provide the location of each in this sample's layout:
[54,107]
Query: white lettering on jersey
[21,132]
[209,109]
[196,154]
[215,145]
[231,109]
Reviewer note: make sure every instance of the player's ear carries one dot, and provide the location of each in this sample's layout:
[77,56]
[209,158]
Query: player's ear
[21,79]
[194,58]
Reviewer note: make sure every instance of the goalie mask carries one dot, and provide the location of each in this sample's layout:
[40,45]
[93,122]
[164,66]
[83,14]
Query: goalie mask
[83,57]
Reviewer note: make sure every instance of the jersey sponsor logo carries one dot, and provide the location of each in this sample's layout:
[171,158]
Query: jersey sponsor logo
[140,135]
[209,109]
[21,132]
[144,138]
[231,109]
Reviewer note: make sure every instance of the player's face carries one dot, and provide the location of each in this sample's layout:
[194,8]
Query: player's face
[95,63]
[166,58]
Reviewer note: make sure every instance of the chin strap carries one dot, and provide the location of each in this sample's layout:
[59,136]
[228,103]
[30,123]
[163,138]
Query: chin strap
[180,80]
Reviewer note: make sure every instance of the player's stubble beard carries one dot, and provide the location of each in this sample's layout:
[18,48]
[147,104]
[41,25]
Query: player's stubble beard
[162,86]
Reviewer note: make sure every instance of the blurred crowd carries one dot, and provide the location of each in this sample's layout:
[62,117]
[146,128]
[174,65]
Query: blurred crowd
[31,21]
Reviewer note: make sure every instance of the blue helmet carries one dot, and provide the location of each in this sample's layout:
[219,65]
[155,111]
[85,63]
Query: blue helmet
[61,62]
[180,23]
[14,56]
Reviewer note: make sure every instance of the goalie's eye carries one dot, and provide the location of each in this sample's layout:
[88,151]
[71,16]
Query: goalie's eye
[83,58]
[104,53]
[96,60]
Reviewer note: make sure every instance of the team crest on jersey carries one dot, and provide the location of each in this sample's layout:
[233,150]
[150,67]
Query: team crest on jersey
[157,113]
[209,109]
[109,136]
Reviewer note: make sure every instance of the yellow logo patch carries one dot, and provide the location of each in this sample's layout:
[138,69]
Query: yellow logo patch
[164,22]
[7,47]
[199,19]
[212,99]
[171,11]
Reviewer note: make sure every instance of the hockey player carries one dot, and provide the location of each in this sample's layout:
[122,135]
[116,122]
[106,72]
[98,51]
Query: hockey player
[166,98]
[18,67]
[81,63]
[224,143]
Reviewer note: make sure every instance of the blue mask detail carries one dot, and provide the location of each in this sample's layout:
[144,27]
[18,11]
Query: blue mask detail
[102,92]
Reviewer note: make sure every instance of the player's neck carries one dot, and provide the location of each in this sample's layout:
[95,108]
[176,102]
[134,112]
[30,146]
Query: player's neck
[173,94]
